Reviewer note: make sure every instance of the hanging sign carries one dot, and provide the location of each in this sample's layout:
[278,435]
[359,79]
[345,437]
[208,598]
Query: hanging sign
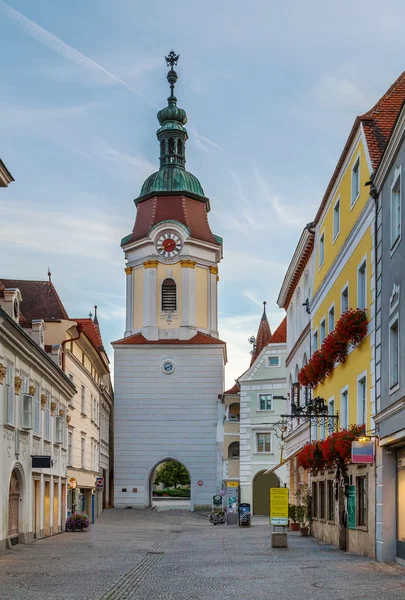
[100,483]
[279,506]
[363,451]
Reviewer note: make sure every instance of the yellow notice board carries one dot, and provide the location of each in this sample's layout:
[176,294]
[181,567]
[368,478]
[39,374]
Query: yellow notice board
[232,484]
[279,506]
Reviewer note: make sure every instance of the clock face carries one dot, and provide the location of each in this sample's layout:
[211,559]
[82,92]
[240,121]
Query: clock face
[168,367]
[168,245]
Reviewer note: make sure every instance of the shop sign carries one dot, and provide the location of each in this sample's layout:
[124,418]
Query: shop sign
[232,484]
[363,451]
[351,507]
[99,483]
[279,506]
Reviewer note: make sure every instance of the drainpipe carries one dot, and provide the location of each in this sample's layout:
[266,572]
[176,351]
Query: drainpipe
[79,328]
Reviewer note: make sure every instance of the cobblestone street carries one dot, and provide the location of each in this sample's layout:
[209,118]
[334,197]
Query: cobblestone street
[177,555]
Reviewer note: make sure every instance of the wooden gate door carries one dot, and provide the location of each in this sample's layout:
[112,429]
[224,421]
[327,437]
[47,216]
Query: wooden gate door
[13,508]
[261,492]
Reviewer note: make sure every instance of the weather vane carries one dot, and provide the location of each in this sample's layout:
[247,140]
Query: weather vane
[172,59]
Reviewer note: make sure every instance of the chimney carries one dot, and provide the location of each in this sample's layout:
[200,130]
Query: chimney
[38,332]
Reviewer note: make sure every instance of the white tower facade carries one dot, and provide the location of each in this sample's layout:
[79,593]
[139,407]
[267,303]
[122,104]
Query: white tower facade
[169,366]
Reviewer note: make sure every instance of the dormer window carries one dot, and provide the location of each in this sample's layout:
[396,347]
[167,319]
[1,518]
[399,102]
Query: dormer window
[169,296]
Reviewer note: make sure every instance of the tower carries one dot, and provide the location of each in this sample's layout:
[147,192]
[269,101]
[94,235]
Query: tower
[169,365]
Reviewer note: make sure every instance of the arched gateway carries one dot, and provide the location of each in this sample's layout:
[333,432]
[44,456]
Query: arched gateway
[15,506]
[262,483]
[173,481]
[169,367]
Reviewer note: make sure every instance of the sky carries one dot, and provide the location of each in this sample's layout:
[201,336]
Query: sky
[271,89]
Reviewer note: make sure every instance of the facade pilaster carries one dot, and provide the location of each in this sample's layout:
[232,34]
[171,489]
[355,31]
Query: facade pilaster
[130,301]
[188,300]
[150,328]
[213,301]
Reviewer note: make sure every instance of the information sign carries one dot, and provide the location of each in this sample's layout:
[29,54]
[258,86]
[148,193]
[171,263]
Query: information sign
[232,484]
[279,506]
[217,501]
[363,451]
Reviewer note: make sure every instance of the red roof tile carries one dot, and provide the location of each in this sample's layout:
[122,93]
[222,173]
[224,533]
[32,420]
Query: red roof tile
[92,331]
[378,124]
[280,335]
[40,300]
[139,339]
[235,389]
[262,337]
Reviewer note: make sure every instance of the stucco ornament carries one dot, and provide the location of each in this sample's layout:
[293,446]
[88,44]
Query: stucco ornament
[53,408]
[32,389]
[43,401]
[3,372]
[17,384]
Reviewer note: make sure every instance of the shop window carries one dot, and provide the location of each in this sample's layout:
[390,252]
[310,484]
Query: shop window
[321,499]
[315,499]
[331,500]
[361,488]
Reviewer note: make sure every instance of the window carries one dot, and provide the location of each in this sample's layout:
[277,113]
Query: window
[315,340]
[331,319]
[315,499]
[314,433]
[344,409]
[83,453]
[331,500]
[396,210]
[71,377]
[24,385]
[37,410]
[263,442]
[93,407]
[83,400]
[361,488]
[47,417]
[322,432]
[361,287]
[58,430]
[70,448]
[394,353]
[179,147]
[361,401]
[27,411]
[233,450]
[83,358]
[9,395]
[323,330]
[274,361]
[344,300]
[321,250]
[355,181]
[92,455]
[266,401]
[169,300]
[322,500]
[331,411]
[336,220]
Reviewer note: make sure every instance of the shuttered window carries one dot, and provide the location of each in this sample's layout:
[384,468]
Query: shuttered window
[169,302]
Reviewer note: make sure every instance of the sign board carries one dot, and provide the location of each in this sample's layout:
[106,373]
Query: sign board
[279,506]
[234,484]
[217,501]
[41,462]
[351,507]
[363,452]
[99,483]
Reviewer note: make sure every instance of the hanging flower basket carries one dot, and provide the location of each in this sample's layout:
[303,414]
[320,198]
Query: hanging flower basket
[334,450]
[351,329]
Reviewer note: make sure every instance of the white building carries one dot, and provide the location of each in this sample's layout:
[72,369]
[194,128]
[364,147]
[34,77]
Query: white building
[169,367]
[262,402]
[34,396]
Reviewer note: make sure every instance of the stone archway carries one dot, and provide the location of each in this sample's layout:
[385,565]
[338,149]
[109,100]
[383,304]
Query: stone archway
[262,483]
[14,497]
[170,501]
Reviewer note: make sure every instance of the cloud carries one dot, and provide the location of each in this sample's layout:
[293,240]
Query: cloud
[106,151]
[68,52]
[205,143]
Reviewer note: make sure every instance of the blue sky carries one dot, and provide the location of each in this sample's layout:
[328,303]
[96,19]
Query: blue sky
[271,89]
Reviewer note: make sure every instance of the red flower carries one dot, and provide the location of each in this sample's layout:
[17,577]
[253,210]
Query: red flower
[334,450]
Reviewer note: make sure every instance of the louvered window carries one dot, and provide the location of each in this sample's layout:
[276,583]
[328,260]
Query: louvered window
[169,303]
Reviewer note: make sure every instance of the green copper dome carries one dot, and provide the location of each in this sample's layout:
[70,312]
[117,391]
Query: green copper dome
[172,135]
[172,179]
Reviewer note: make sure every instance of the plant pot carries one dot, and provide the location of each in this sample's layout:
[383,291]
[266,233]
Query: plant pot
[304,531]
[295,526]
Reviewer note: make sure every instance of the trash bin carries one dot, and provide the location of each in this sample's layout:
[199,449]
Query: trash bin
[244,514]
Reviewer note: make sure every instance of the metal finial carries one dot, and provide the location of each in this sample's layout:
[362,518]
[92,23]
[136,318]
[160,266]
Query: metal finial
[49,275]
[171,59]
[90,315]
[95,320]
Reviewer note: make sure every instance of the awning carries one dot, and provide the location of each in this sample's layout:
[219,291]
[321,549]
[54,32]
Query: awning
[283,460]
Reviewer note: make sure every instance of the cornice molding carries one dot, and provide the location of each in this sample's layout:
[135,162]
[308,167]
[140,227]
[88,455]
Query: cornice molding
[296,267]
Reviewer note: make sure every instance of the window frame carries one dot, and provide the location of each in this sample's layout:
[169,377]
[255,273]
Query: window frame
[47,417]
[356,165]
[330,501]
[363,263]
[315,505]
[175,309]
[257,442]
[322,326]
[83,399]
[70,448]
[26,411]
[394,386]
[321,258]
[273,366]
[260,403]
[9,395]
[344,289]
[395,242]
[361,507]
[336,233]
[344,390]
[315,336]
[37,410]
[83,452]
[322,500]
[360,378]
[331,309]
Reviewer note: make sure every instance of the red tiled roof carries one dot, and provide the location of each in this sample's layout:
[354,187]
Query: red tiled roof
[262,337]
[280,335]
[235,389]
[378,124]
[199,338]
[40,300]
[92,331]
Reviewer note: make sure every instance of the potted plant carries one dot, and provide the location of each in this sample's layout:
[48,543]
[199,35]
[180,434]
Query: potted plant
[77,523]
[292,515]
[304,495]
[300,513]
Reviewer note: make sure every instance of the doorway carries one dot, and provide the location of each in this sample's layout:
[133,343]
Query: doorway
[14,509]
[262,483]
[170,486]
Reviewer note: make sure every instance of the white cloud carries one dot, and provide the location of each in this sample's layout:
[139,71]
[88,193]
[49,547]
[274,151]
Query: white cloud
[203,142]
[106,151]
[68,52]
